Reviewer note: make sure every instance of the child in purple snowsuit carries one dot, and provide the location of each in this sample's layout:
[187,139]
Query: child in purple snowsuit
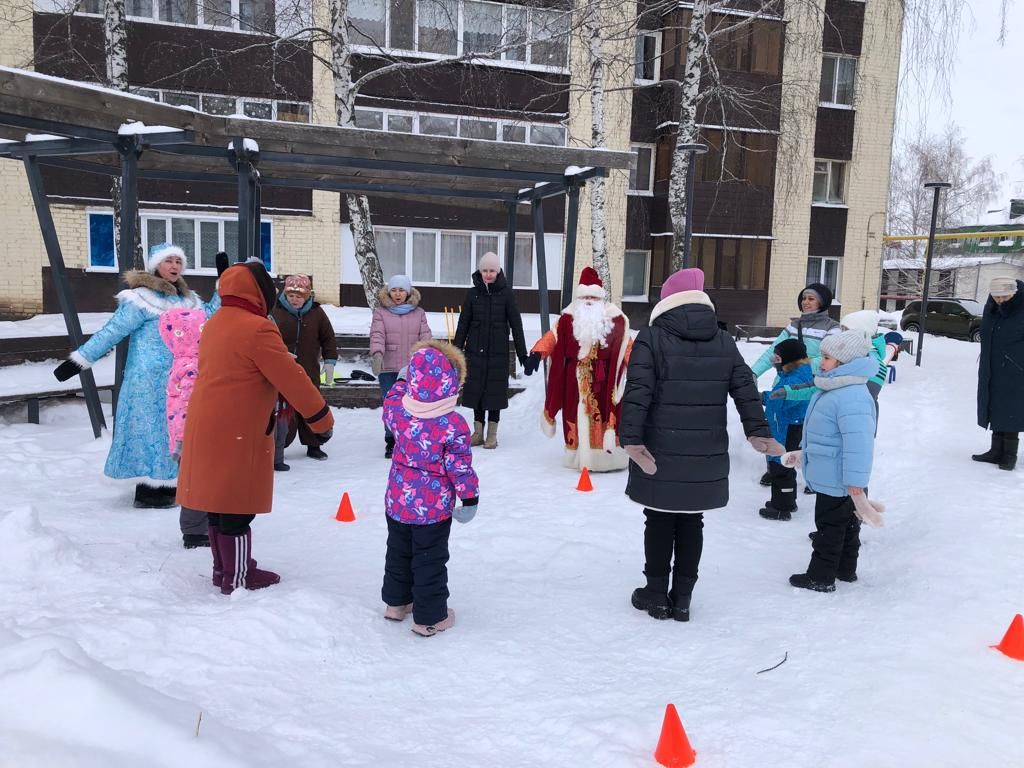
[180,329]
[431,470]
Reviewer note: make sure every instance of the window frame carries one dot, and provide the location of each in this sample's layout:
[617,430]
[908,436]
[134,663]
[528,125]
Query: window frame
[240,101]
[832,103]
[649,191]
[647,275]
[820,277]
[736,257]
[656,60]
[826,203]
[89,212]
[235,26]
[198,219]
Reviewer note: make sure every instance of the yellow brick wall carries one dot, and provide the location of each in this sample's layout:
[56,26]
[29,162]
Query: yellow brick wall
[618,107]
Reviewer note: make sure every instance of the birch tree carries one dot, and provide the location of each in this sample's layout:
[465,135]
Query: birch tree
[592,36]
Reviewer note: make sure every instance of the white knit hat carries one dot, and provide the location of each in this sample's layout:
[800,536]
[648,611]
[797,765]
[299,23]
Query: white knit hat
[400,281]
[489,260]
[846,346]
[864,320]
[1002,286]
[160,252]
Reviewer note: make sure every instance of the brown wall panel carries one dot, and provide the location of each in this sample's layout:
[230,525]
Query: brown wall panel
[638,222]
[828,232]
[833,134]
[95,291]
[844,26]
[732,208]
[734,307]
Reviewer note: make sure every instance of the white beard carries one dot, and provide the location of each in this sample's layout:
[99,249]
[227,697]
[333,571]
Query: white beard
[590,325]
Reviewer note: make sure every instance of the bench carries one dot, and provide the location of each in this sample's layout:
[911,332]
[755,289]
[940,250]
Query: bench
[32,399]
[759,334]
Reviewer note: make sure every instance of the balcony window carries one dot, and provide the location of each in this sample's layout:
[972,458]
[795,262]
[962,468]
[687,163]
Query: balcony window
[838,74]
[481,25]
[292,112]
[366,22]
[400,123]
[220,105]
[261,110]
[550,38]
[369,119]
[516,33]
[641,177]
[829,177]
[437,26]
[551,135]
[645,66]
[635,273]
[514,133]
[824,270]
[178,11]
[435,125]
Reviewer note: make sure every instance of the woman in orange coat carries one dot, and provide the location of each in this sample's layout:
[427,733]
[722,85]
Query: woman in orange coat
[227,460]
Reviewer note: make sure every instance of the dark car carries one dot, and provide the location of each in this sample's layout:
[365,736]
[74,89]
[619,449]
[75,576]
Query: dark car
[959,318]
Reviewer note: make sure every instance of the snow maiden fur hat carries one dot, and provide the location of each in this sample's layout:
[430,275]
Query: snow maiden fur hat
[590,285]
[160,252]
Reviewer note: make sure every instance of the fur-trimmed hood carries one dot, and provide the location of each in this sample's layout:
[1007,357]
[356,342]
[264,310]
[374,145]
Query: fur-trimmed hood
[136,278]
[384,298]
[455,356]
[678,300]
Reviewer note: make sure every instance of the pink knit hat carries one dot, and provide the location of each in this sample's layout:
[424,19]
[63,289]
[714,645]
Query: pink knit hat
[691,279]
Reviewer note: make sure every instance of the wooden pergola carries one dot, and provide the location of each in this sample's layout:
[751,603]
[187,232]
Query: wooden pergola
[89,128]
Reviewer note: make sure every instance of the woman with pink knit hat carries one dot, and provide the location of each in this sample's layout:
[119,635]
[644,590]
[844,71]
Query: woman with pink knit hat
[682,371]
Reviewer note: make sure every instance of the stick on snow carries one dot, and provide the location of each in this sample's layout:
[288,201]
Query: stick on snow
[784,657]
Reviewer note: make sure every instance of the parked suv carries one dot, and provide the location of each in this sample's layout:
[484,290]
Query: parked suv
[960,318]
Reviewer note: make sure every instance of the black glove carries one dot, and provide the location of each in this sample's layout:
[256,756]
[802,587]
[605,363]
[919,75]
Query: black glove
[531,363]
[66,370]
[325,436]
[221,260]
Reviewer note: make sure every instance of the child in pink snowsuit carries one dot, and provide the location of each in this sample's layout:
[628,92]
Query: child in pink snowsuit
[180,329]
[431,470]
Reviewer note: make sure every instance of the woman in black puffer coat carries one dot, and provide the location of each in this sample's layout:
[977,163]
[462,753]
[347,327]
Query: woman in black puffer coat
[1001,372]
[682,371]
[488,314]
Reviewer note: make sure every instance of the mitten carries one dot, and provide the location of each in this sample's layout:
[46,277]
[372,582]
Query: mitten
[778,394]
[66,370]
[377,362]
[642,458]
[531,363]
[791,459]
[767,445]
[222,263]
[868,511]
[176,453]
[466,511]
[329,374]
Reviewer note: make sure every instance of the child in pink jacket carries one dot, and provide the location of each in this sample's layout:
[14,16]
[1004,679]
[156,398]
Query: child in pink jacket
[180,329]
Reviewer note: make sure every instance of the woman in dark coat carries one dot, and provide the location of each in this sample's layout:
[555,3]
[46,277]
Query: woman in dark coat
[682,371]
[488,313]
[1001,371]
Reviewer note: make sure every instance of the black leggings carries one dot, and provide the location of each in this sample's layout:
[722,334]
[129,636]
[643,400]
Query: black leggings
[492,416]
[231,525]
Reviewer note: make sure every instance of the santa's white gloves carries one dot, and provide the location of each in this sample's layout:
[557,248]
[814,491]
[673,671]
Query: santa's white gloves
[642,458]
[767,445]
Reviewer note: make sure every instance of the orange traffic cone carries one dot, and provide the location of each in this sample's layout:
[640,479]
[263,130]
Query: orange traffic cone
[584,483]
[345,513]
[674,748]
[1013,641]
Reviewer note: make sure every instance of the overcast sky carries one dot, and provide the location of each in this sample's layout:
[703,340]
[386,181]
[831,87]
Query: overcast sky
[985,89]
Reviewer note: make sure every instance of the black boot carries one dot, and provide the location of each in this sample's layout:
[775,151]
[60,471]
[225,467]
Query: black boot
[783,501]
[653,598]
[1010,443]
[316,453]
[993,455]
[148,497]
[195,540]
[766,479]
[805,581]
[682,590]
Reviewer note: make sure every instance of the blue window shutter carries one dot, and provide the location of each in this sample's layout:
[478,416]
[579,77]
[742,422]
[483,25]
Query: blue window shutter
[265,253]
[101,240]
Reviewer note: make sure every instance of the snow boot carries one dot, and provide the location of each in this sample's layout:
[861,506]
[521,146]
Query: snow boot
[770,512]
[491,441]
[429,630]
[805,581]
[994,454]
[1010,442]
[783,501]
[148,497]
[389,445]
[194,540]
[478,434]
[682,590]
[218,563]
[653,598]
[239,568]
[766,479]
[397,612]
[316,453]
[849,578]
[281,467]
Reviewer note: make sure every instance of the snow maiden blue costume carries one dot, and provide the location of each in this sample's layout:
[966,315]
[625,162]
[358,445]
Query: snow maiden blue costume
[139,449]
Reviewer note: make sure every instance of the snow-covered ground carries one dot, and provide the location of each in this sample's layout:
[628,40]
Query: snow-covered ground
[113,642]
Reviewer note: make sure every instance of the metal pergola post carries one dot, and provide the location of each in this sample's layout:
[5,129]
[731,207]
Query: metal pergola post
[128,149]
[537,209]
[937,187]
[569,264]
[510,246]
[691,176]
[248,216]
[60,280]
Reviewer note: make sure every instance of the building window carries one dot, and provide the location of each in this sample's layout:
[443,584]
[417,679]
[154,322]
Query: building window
[648,50]
[479,128]
[824,270]
[101,241]
[641,177]
[829,183]
[747,46]
[215,104]
[447,258]
[481,27]
[745,156]
[739,263]
[201,238]
[239,15]
[550,135]
[635,270]
[837,78]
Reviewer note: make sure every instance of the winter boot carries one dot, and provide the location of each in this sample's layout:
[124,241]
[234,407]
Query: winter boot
[1010,442]
[771,512]
[281,467]
[994,455]
[238,566]
[783,501]
[218,563]
[682,589]
[478,434]
[805,581]
[653,598]
[397,612]
[194,540]
[389,445]
[849,578]
[316,453]
[148,497]
[766,479]
[491,441]
[429,630]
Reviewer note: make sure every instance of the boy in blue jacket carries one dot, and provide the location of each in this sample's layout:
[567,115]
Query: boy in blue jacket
[837,447]
[786,418]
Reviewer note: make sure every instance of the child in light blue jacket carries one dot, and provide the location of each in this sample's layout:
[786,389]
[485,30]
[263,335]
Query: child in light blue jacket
[837,447]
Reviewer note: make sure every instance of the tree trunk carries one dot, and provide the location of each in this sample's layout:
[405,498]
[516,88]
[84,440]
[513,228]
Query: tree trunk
[689,95]
[344,103]
[598,219]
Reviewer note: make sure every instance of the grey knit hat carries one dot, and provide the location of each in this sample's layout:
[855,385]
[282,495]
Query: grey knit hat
[400,281]
[846,346]
[1002,286]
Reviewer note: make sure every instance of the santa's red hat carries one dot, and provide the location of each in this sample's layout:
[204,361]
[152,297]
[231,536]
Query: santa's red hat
[590,285]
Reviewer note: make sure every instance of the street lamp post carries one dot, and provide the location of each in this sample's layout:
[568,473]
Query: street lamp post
[691,176]
[937,187]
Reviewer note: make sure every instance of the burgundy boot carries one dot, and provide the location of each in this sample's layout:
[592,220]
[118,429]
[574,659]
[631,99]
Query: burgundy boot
[239,569]
[218,563]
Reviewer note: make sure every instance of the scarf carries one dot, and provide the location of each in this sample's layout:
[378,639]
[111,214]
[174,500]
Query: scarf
[283,301]
[237,301]
[401,309]
[838,382]
[429,410]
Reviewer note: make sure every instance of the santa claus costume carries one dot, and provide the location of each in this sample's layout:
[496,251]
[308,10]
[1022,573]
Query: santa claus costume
[588,350]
